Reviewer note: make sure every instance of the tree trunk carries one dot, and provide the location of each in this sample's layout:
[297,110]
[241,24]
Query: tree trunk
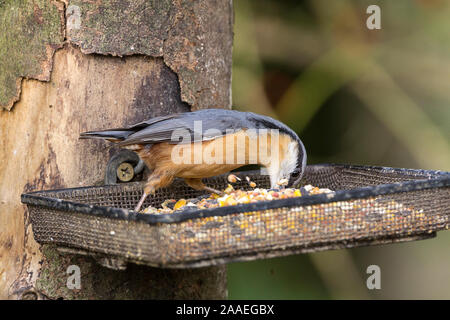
[68,67]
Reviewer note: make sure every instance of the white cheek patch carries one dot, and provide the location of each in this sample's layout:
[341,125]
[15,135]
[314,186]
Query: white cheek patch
[286,167]
[290,161]
[274,174]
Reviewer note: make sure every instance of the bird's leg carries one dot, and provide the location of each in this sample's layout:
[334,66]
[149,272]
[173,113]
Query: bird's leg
[155,181]
[197,184]
[141,201]
[212,190]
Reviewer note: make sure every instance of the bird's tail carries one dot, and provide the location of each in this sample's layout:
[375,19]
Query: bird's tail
[110,134]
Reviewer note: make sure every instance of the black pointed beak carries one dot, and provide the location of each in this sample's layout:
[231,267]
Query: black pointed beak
[294,182]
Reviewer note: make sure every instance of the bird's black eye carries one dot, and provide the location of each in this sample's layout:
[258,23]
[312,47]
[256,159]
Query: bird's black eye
[295,174]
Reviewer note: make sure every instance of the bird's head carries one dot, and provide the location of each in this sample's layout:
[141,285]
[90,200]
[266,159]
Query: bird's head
[291,164]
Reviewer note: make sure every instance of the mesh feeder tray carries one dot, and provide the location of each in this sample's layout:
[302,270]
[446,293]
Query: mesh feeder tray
[370,205]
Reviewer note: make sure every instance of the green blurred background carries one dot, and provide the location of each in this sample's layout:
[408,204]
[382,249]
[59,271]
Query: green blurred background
[354,95]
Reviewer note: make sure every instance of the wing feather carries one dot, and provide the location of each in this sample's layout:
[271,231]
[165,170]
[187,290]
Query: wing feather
[198,126]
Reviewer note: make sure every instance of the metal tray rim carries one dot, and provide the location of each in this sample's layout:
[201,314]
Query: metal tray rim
[443,180]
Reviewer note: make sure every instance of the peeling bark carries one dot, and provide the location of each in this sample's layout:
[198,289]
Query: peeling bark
[194,38]
[30,32]
[72,66]
[41,150]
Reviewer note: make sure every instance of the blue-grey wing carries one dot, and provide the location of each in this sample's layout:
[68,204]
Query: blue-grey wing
[198,126]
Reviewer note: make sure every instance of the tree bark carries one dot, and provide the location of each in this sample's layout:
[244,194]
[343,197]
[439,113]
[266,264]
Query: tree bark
[91,65]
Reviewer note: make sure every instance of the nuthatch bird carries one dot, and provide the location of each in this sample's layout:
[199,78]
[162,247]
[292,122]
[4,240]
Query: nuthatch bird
[212,142]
